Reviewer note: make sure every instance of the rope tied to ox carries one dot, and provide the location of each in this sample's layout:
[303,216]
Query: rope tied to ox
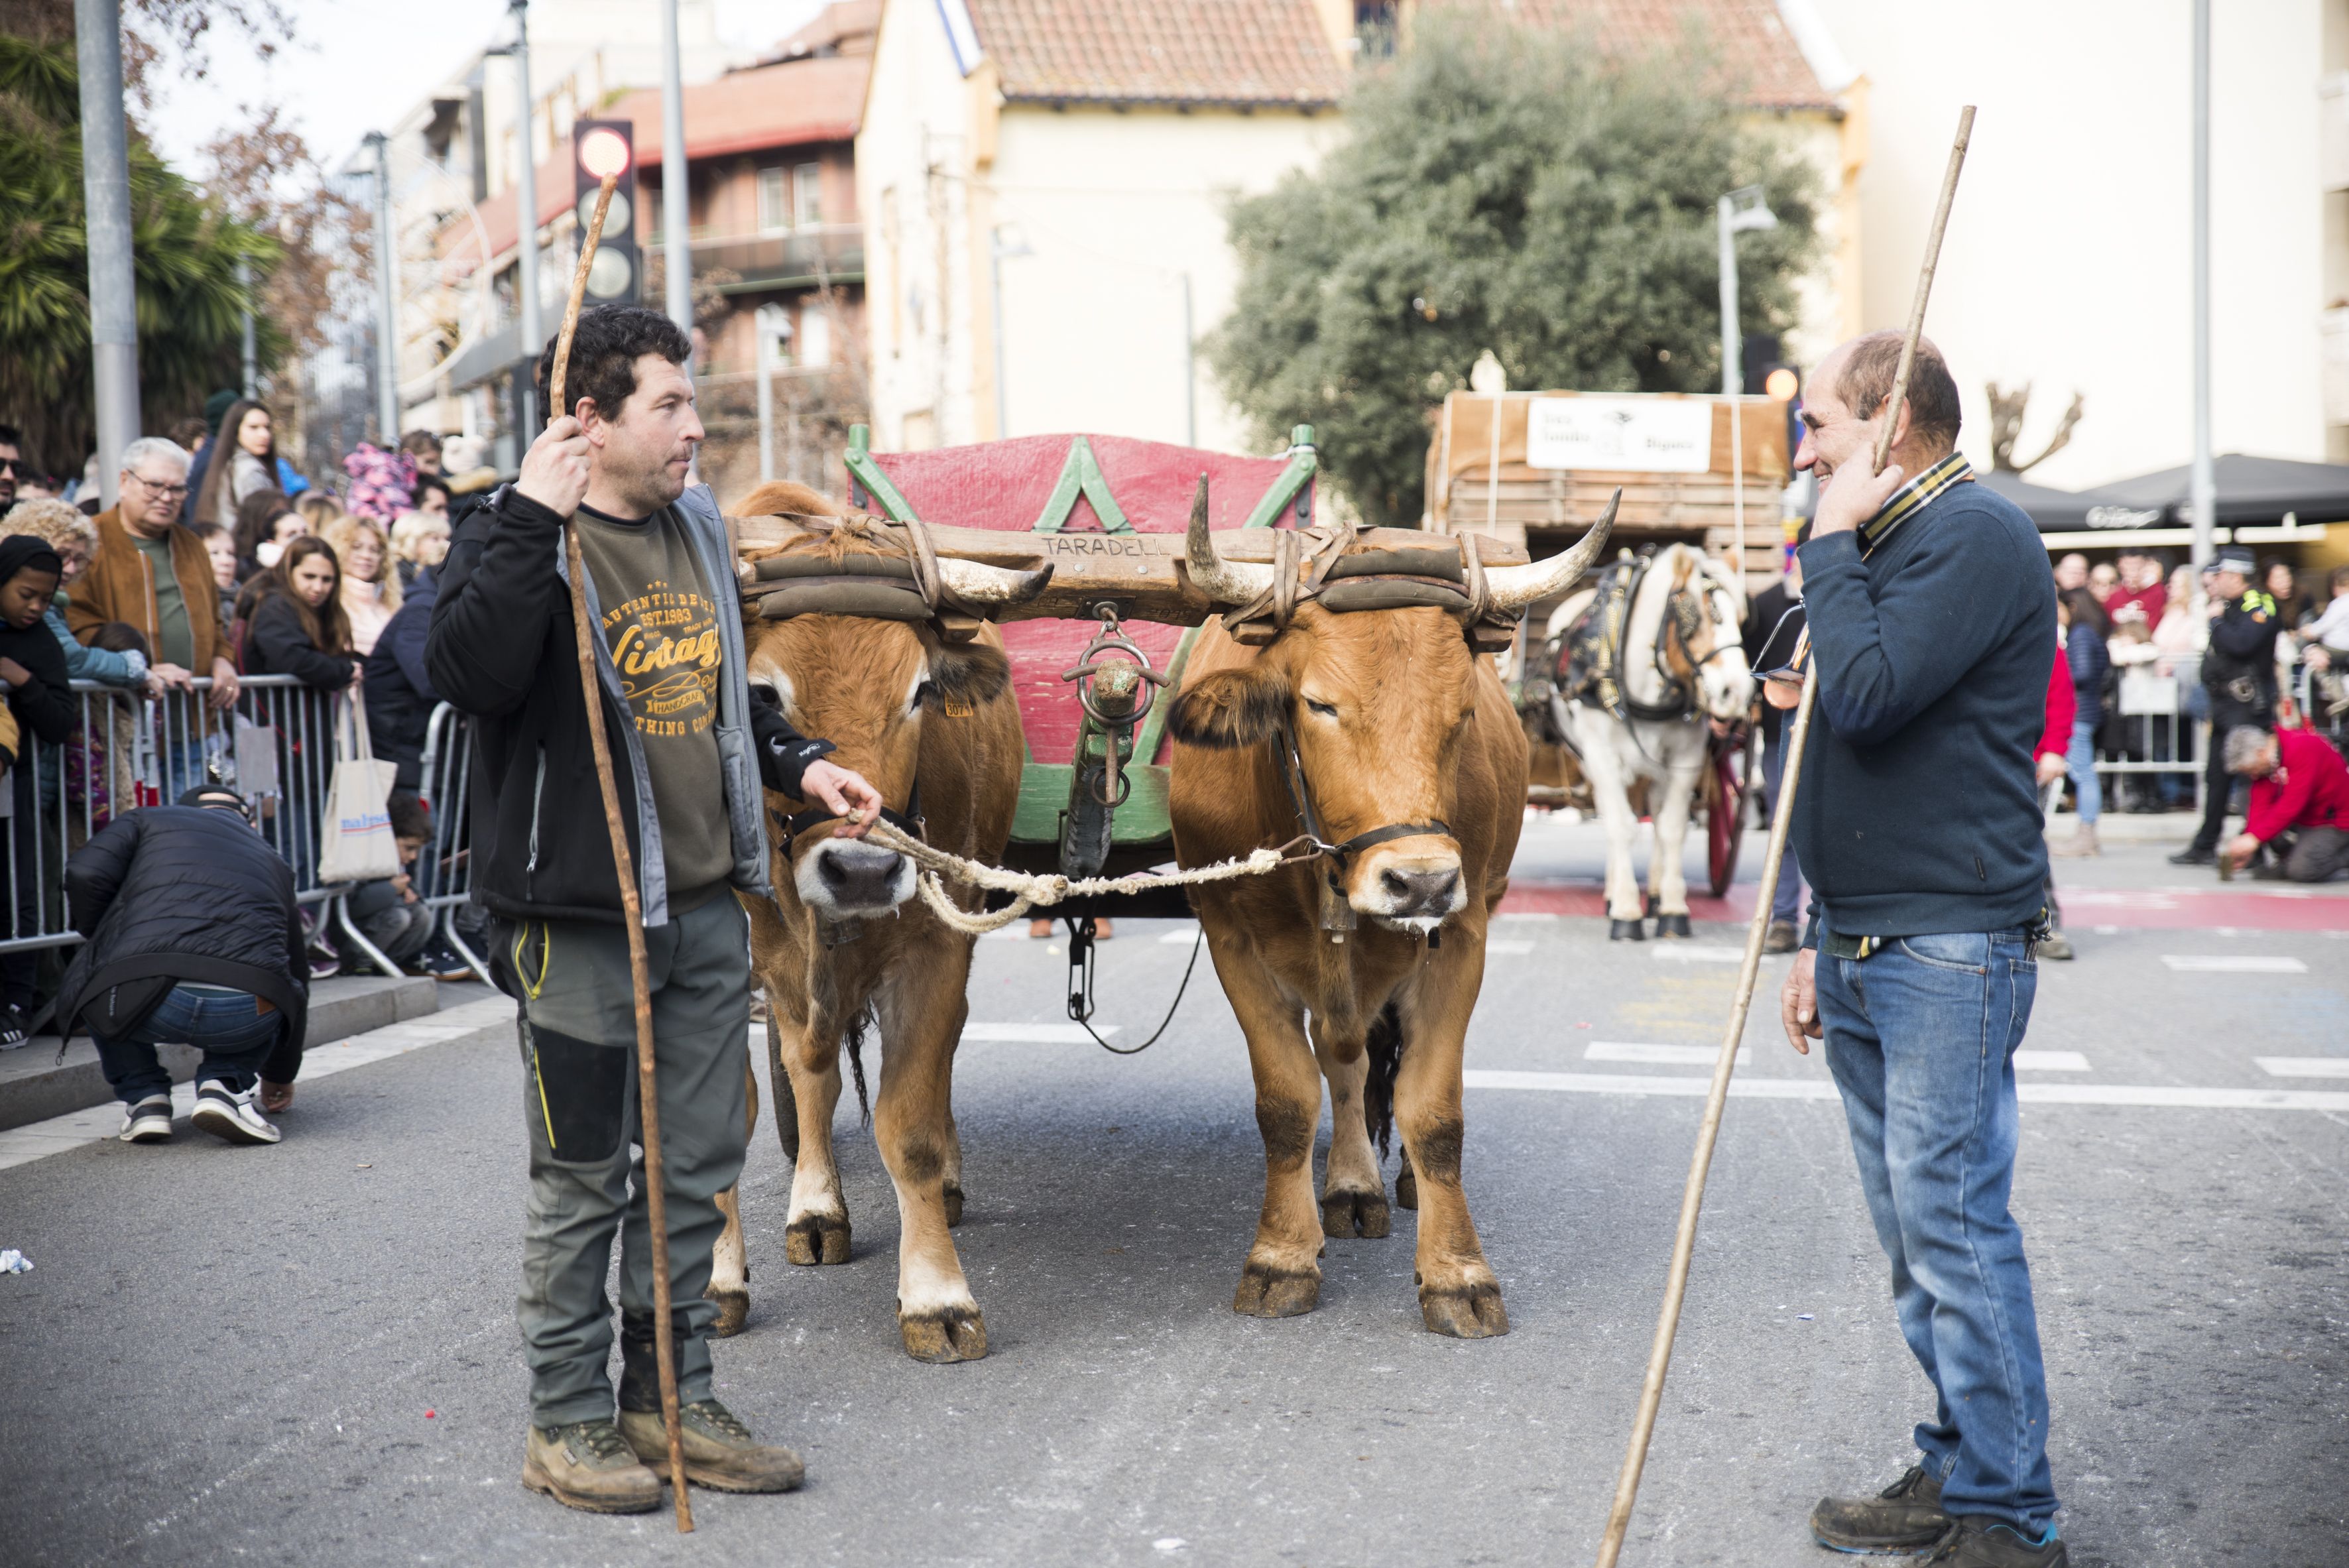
[1030,890]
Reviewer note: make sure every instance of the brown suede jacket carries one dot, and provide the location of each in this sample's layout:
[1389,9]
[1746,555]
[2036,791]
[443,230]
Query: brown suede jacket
[118,587]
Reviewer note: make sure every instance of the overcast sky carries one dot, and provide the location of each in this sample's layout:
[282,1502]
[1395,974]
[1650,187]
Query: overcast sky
[361,64]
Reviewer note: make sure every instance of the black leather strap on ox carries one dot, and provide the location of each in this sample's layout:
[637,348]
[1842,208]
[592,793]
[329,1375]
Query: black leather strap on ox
[1336,913]
[908,821]
[1315,565]
[902,586]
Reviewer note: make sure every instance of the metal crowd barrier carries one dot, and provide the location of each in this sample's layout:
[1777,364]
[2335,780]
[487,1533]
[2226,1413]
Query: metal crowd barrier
[275,746]
[2161,733]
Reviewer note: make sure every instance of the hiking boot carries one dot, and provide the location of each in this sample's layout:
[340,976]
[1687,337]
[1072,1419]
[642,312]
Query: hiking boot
[148,1121]
[1904,1516]
[1975,1542]
[2082,844]
[587,1465]
[719,1452]
[1781,937]
[2054,944]
[230,1114]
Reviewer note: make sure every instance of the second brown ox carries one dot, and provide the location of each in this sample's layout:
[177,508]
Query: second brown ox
[1393,723]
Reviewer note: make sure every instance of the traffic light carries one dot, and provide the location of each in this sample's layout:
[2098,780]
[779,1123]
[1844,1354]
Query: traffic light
[601,146]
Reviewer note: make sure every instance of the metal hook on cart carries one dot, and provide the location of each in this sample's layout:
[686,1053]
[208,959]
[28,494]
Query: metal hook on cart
[1116,693]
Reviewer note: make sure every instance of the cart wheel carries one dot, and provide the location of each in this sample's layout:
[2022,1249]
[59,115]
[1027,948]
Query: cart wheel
[1724,817]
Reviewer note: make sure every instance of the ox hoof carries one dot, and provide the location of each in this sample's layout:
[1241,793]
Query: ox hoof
[1672,925]
[944,1335]
[1354,1214]
[1464,1311]
[954,1206]
[817,1239]
[733,1311]
[1625,930]
[1268,1292]
[1407,1189]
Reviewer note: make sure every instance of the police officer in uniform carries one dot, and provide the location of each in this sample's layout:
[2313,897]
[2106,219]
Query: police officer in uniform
[2239,671]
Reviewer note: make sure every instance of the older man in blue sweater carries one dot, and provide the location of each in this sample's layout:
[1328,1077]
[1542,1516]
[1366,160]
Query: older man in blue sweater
[1933,621]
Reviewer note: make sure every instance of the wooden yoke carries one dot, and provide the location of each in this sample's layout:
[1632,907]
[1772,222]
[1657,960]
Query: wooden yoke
[1143,575]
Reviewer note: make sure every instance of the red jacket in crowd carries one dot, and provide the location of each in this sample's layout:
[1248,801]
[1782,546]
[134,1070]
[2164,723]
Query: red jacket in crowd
[2309,789]
[2060,707]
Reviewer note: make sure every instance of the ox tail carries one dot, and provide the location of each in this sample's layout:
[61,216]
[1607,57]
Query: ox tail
[1384,1047]
[851,1040]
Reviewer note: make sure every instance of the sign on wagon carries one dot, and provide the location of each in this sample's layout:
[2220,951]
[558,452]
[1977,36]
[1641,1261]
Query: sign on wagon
[1641,434]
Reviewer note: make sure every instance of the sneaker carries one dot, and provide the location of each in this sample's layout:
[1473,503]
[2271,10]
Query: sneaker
[324,961]
[2082,844]
[148,1121]
[1973,1541]
[13,1032]
[1904,1516]
[228,1114]
[588,1466]
[720,1451]
[2194,855]
[438,962]
[1781,937]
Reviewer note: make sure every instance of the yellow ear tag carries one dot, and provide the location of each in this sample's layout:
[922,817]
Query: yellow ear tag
[958,709]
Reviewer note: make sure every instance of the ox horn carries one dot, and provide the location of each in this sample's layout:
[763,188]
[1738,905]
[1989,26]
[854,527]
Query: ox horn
[1512,588]
[1223,581]
[976,584]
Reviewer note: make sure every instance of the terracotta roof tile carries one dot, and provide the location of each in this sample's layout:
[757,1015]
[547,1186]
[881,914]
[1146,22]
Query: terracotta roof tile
[1752,40]
[1160,51]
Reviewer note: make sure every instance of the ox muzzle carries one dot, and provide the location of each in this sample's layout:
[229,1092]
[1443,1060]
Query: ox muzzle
[848,878]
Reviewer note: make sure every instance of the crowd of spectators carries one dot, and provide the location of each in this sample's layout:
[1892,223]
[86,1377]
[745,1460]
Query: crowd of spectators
[220,561]
[2138,615]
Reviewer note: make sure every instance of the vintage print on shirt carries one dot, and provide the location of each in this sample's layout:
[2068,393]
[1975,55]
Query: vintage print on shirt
[665,643]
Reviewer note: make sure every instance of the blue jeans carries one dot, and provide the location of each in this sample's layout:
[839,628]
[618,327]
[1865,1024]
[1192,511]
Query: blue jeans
[1786,898]
[2080,758]
[228,1027]
[1920,1037]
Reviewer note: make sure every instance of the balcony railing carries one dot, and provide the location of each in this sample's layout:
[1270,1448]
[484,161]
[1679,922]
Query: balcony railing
[799,259]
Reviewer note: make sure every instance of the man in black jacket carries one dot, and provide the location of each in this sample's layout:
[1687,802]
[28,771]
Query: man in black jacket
[1932,625]
[689,750]
[190,938]
[2239,671]
[400,694]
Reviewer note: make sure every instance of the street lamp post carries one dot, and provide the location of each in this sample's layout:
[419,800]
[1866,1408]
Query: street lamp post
[387,300]
[106,191]
[2202,490]
[676,219]
[534,330]
[998,253]
[1742,209]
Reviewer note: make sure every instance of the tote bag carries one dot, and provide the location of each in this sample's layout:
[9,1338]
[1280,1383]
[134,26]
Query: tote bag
[356,843]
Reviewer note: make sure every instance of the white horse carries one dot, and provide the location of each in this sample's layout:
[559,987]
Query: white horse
[1672,661]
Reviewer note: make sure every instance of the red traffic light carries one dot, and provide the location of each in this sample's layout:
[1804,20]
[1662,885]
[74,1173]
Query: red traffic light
[604,153]
[1782,383]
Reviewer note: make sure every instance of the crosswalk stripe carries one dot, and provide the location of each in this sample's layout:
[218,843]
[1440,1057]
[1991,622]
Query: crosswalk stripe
[2304,1066]
[2232,964]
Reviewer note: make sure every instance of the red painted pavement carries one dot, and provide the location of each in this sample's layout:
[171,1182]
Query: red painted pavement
[2195,908]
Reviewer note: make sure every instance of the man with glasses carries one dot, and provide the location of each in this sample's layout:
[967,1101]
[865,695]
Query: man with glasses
[156,576]
[11,463]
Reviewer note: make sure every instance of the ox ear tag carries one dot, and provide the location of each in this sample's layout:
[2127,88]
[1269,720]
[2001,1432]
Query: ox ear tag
[954,709]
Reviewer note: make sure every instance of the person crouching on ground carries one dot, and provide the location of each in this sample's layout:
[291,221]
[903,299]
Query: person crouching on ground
[190,937]
[688,749]
[1932,622]
[2299,805]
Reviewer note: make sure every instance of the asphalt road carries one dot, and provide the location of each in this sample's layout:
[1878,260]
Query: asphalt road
[307,1353]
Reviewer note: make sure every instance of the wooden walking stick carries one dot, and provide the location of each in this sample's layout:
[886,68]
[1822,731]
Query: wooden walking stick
[1659,1354]
[632,912]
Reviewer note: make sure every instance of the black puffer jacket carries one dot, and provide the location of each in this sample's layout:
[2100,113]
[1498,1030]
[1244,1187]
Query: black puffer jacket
[276,645]
[399,694]
[188,893]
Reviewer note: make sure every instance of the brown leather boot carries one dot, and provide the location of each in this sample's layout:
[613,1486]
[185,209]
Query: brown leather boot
[1904,1516]
[589,1466]
[720,1451]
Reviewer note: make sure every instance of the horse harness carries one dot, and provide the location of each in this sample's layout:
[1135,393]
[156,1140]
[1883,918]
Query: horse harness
[1590,667]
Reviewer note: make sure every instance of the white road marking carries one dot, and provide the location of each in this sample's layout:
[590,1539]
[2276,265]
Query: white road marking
[2165,1096]
[1035,1034]
[2106,930]
[2232,964]
[38,1140]
[1698,952]
[2304,1066]
[2051,1061]
[1659,1055]
[1508,946]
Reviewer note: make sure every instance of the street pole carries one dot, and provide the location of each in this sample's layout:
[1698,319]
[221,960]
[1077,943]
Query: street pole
[250,356]
[1733,377]
[387,300]
[676,243]
[534,330]
[106,191]
[2202,491]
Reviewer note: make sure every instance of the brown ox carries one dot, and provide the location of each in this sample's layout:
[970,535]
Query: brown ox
[1395,724]
[904,709]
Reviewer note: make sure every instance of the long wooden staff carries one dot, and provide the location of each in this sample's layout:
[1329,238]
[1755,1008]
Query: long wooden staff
[1659,1354]
[632,913]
